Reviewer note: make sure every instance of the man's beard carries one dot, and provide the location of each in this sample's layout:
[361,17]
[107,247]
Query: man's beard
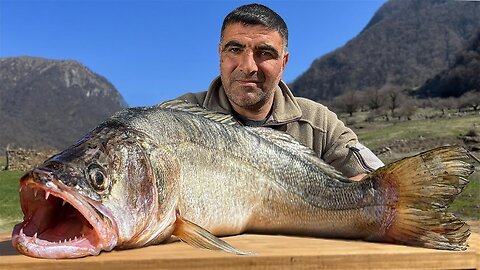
[247,97]
[242,95]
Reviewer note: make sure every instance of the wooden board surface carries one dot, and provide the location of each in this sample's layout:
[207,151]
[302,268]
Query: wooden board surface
[272,252]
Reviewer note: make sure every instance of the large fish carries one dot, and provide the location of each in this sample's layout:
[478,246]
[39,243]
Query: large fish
[148,175]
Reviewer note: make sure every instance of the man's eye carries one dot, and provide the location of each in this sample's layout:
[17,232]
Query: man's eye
[266,55]
[234,50]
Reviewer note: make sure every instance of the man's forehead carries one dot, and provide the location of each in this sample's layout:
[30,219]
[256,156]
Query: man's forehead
[256,33]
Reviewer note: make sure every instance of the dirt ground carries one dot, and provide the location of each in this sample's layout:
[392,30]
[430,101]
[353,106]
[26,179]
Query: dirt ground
[404,148]
[474,226]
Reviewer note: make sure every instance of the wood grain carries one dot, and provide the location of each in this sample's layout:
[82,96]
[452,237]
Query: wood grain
[272,252]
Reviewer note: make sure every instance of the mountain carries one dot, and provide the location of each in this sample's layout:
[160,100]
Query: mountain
[51,103]
[404,44]
[461,77]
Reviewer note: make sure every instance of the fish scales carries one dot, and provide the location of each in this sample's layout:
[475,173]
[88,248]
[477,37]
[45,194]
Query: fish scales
[243,164]
[151,174]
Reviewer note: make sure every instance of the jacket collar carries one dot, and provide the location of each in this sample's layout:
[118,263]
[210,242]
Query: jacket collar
[285,107]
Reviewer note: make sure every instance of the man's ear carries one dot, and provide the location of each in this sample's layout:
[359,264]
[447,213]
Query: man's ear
[285,59]
[219,49]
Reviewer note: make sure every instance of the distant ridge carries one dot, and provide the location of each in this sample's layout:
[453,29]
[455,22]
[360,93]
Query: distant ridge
[461,77]
[404,44]
[51,103]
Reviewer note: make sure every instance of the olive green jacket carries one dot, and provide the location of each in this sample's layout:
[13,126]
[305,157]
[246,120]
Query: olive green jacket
[311,123]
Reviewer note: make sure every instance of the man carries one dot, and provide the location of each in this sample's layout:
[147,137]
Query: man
[253,55]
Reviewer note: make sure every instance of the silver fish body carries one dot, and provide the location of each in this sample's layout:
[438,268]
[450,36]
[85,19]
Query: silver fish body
[149,173]
[232,175]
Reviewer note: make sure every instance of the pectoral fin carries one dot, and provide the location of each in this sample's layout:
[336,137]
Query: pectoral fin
[197,236]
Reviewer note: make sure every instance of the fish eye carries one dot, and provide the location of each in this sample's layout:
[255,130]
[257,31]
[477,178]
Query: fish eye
[97,177]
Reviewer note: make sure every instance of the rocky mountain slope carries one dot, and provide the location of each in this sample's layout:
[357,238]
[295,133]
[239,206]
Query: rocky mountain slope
[461,77]
[51,103]
[404,44]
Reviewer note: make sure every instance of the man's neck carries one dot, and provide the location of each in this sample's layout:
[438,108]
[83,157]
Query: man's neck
[249,122]
[254,114]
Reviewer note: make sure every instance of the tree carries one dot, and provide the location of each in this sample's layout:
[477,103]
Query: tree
[372,98]
[408,108]
[348,102]
[393,97]
[445,104]
[470,99]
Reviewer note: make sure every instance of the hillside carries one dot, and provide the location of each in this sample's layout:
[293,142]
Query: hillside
[404,44]
[51,103]
[461,77]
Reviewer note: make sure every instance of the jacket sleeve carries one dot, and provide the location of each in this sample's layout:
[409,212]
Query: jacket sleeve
[342,149]
[335,143]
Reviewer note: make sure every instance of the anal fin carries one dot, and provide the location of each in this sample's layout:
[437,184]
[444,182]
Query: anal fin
[197,236]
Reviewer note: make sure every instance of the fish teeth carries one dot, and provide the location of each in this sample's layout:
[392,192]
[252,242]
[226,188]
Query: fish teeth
[75,238]
[47,194]
[35,238]
[35,192]
[64,202]
[21,231]
[20,189]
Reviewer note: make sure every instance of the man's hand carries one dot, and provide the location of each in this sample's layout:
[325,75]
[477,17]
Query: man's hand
[358,177]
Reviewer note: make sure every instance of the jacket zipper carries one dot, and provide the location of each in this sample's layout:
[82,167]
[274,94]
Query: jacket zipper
[360,158]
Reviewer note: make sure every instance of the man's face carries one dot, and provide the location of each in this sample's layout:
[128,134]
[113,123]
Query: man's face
[252,61]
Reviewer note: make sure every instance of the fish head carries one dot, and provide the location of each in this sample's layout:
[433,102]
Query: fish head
[98,194]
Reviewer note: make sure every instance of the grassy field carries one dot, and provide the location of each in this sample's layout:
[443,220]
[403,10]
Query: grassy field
[467,205]
[10,212]
[378,134]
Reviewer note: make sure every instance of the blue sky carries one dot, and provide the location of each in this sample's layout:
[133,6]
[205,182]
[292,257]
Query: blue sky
[152,51]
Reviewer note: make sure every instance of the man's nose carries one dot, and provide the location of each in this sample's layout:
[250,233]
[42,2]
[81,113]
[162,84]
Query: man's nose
[248,64]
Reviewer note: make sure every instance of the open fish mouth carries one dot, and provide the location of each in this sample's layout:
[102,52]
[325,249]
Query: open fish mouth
[58,224]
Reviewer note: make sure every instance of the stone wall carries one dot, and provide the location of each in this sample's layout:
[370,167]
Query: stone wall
[19,159]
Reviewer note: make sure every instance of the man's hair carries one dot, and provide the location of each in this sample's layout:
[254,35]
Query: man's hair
[256,14]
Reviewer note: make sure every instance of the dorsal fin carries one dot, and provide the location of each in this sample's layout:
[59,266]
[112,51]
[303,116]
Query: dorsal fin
[282,139]
[279,138]
[286,141]
[184,106]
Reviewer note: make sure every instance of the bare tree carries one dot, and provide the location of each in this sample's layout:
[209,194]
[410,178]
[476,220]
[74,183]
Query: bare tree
[408,108]
[445,104]
[470,99]
[394,97]
[348,102]
[372,98]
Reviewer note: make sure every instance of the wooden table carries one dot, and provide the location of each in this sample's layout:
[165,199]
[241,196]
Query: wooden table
[272,252]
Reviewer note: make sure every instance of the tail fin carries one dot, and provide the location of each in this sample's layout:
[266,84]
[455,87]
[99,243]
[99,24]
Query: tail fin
[420,188]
